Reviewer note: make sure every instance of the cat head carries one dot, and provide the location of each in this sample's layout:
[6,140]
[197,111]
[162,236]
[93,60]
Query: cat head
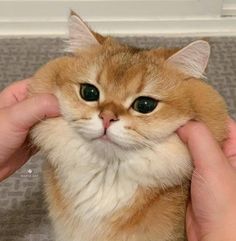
[128,98]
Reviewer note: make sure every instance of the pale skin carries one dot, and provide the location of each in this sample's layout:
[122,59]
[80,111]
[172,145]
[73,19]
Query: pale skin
[211,214]
[18,114]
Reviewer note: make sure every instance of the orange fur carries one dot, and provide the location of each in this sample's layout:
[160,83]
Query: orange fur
[153,213]
[150,215]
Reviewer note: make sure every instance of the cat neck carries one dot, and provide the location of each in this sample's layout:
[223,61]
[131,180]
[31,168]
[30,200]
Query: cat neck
[99,182]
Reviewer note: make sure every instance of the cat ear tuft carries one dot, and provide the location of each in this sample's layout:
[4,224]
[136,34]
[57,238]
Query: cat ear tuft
[80,36]
[192,59]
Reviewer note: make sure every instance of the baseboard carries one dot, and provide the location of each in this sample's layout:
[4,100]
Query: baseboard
[229,9]
[166,27]
[118,17]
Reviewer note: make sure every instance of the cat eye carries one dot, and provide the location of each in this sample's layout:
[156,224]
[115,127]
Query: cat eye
[144,104]
[89,92]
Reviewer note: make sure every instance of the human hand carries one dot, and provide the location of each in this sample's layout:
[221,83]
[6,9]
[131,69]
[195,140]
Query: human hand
[211,212]
[17,115]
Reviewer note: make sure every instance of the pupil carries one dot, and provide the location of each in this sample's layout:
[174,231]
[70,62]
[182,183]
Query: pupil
[144,104]
[89,92]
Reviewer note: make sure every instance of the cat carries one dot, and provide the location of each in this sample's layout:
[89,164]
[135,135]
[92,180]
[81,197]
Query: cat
[115,168]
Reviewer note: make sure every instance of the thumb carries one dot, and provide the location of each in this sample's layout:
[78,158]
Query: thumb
[229,146]
[25,114]
[205,151]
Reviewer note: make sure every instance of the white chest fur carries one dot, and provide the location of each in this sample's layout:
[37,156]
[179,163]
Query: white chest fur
[98,177]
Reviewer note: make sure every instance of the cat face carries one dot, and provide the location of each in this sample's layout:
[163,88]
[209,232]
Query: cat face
[122,97]
[119,96]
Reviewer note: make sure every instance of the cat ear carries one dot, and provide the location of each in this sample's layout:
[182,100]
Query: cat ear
[192,59]
[80,36]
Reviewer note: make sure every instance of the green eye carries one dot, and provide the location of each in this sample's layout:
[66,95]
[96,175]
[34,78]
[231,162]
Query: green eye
[89,92]
[144,104]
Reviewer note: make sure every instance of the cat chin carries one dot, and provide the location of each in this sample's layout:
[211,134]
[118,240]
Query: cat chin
[106,141]
[109,140]
[107,147]
[109,144]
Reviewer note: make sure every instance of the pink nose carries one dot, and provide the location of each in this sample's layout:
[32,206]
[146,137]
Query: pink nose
[107,117]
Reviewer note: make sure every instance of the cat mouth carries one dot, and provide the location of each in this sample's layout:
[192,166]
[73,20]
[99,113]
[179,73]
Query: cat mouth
[105,138]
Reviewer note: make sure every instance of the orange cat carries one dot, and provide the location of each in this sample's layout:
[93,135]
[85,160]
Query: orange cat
[116,170]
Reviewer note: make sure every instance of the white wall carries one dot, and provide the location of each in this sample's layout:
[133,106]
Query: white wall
[49,17]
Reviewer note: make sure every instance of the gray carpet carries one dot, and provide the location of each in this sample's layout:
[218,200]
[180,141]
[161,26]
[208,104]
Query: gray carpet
[22,211]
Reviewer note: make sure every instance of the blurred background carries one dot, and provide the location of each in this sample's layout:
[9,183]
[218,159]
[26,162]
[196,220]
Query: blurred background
[32,32]
[49,17]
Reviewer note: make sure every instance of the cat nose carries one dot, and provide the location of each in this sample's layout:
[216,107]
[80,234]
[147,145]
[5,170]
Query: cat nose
[107,117]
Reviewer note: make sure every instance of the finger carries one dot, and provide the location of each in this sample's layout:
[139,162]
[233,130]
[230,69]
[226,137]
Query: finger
[191,224]
[14,93]
[17,160]
[229,146]
[25,114]
[232,161]
[202,146]
[33,149]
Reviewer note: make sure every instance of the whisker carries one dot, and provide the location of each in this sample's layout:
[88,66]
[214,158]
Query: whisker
[138,133]
[201,179]
[79,121]
[134,141]
[39,119]
[199,176]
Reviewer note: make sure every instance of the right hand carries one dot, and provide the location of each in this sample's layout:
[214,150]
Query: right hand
[18,114]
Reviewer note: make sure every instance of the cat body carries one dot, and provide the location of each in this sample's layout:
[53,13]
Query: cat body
[116,170]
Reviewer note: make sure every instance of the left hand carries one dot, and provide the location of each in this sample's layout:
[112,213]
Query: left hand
[211,213]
